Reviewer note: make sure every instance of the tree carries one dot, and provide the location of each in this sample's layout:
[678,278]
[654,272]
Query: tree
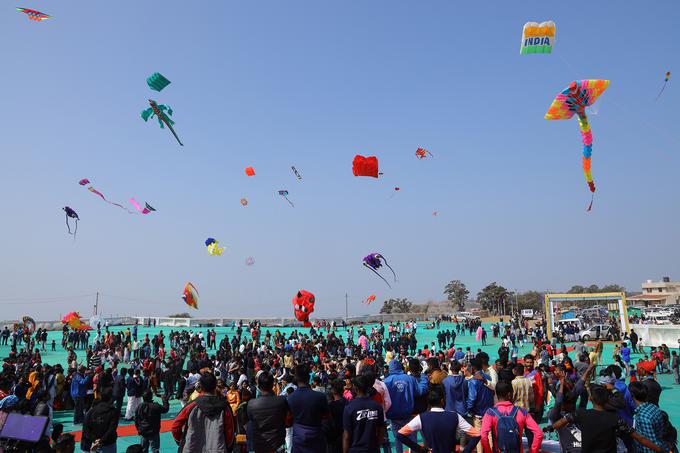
[180,315]
[491,297]
[530,299]
[613,288]
[457,293]
[576,289]
[397,306]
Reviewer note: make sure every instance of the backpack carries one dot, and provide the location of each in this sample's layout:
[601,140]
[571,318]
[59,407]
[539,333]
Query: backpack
[507,438]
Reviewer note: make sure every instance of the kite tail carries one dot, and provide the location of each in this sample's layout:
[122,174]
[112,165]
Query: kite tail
[376,273]
[587,135]
[175,134]
[390,267]
[291,203]
[662,88]
[68,227]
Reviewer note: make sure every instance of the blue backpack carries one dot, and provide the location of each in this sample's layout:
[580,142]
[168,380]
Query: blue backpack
[507,438]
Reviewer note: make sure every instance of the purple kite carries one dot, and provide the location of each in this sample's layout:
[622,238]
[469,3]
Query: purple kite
[374,261]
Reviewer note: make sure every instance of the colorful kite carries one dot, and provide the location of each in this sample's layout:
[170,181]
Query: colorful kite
[244,202]
[538,38]
[365,166]
[74,322]
[157,82]
[142,210]
[422,153]
[250,261]
[284,194]
[250,171]
[369,299]
[668,76]
[34,15]
[29,323]
[84,182]
[214,247]
[190,295]
[163,119]
[573,100]
[296,173]
[374,261]
[71,214]
[303,306]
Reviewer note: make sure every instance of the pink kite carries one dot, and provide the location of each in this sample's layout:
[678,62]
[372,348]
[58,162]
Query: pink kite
[145,210]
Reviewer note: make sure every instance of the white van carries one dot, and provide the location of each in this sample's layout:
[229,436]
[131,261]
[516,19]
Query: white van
[527,313]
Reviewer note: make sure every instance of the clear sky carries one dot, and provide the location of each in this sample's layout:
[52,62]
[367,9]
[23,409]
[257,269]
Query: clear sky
[312,83]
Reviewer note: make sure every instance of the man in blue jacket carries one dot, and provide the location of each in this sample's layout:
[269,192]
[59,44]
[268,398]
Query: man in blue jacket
[455,390]
[479,396]
[79,383]
[403,389]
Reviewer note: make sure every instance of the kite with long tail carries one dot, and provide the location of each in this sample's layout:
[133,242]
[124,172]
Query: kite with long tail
[374,261]
[71,214]
[145,210]
[573,100]
[163,118]
[668,76]
[284,194]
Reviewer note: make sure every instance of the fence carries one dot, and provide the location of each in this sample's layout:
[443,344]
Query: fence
[655,335]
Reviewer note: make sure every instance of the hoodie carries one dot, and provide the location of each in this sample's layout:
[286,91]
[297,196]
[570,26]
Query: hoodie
[403,389]
[455,392]
[205,424]
[100,422]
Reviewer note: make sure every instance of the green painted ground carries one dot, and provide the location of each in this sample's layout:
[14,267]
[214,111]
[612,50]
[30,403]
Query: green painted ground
[670,398]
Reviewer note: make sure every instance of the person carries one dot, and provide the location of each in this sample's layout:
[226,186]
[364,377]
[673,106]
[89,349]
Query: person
[363,419]
[148,421]
[119,388]
[309,409]
[479,396]
[336,408]
[536,377]
[207,423]
[506,423]
[522,389]
[402,389]
[653,387]
[79,382]
[647,418]
[100,424]
[675,364]
[454,390]
[625,355]
[633,337]
[43,408]
[135,387]
[439,428]
[269,416]
[233,396]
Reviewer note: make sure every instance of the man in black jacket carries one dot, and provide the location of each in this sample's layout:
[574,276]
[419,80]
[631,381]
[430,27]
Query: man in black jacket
[269,416]
[148,421]
[100,424]
[119,388]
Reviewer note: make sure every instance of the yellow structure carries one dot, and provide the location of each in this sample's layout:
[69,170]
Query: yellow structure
[613,300]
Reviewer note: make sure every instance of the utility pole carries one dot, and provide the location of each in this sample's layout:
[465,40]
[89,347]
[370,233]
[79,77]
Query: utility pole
[96,304]
[346,308]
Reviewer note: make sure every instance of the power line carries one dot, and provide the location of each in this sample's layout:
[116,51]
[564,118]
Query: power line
[39,300]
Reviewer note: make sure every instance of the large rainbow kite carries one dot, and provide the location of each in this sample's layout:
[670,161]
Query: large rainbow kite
[573,100]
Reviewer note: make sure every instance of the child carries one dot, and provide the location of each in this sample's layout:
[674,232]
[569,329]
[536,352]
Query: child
[54,345]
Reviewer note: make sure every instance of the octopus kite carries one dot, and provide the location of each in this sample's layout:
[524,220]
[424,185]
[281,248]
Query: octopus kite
[71,214]
[422,153]
[303,306]
[369,299]
[190,295]
[573,100]
[163,119]
[374,261]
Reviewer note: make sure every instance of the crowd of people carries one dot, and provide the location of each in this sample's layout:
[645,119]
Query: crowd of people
[332,389]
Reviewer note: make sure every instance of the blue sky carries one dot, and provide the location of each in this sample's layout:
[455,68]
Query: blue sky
[273,84]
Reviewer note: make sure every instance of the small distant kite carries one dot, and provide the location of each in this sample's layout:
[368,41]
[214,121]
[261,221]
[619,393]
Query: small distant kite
[157,82]
[142,210]
[250,261]
[244,202]
[369,299]
[573,100]
[296,173]
[422,153]
[163,118]
[538,38]
[303,306]
[214,247]
[365,166]
[284,194]
[668,76]
[190,295]
[435,213]
[84,182]
[374,261]
[34,15]
[396,190]
[71,214]
[250,171]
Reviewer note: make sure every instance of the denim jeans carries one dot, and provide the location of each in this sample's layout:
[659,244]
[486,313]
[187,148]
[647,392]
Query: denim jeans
[396,426]
[153,441]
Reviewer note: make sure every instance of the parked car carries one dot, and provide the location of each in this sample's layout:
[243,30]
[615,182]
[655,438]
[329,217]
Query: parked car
[597,332]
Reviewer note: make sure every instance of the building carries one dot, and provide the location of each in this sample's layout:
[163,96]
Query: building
[664,292]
